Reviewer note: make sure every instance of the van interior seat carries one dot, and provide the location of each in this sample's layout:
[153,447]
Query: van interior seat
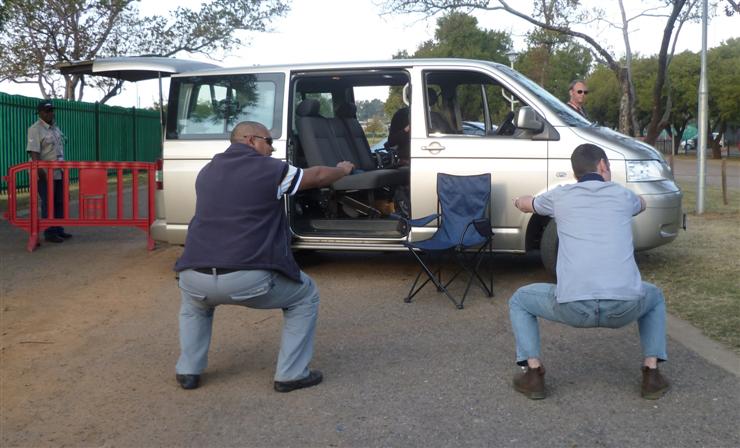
[346,116]
[322,146]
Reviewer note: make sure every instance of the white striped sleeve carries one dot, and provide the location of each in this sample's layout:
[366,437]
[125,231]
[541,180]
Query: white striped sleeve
[291,182]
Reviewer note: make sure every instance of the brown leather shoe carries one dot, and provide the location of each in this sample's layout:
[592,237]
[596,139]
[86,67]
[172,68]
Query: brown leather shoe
[654,385]
[531,383]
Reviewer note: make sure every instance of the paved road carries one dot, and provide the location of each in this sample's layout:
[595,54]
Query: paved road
[89,342]
[685,169]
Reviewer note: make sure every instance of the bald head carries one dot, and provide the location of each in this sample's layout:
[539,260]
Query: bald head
[247,128]
[253,134]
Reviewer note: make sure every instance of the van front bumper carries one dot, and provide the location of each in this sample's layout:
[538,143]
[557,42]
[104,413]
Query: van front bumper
[660,222]
[172,234]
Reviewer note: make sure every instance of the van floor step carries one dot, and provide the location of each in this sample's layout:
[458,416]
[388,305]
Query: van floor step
[354,227]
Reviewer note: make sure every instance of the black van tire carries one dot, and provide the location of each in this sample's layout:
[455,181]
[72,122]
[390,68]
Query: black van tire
[549,247]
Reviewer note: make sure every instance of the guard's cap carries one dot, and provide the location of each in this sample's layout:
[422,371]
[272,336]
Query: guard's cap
[45,105]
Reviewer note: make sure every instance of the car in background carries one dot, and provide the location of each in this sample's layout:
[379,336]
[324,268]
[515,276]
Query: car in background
[468,128]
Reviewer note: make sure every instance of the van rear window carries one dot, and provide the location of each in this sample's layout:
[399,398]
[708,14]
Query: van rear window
[206,107]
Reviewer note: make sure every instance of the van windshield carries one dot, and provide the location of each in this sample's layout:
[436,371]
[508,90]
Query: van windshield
[568,115]
[210,106]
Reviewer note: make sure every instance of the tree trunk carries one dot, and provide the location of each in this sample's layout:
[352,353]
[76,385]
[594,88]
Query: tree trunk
[626,103]
[714,142]
[656,119]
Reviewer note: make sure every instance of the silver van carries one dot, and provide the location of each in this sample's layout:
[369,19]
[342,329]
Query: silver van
[524,138]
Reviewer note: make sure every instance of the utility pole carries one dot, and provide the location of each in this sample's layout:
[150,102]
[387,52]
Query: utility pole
[701,150]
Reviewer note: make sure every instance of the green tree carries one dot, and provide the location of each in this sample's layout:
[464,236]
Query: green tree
[570,18]
[370,109]
[603,97]
[723,67]
[395,101]
[643,74]
[458,36]
[684,76]
[554,67]
[38,34]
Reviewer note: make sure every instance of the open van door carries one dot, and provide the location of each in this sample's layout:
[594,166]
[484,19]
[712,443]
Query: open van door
[134,68]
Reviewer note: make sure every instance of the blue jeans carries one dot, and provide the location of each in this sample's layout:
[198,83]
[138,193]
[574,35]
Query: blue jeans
[58,190]
[201,293]
[538,300]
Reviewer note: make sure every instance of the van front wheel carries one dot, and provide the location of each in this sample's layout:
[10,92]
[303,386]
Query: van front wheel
[549,247]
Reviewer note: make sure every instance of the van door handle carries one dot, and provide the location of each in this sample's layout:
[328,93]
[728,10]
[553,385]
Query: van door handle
[434,146]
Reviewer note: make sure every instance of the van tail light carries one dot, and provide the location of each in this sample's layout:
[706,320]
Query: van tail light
[158,178]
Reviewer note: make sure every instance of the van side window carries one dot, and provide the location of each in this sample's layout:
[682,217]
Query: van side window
[210,106]
[469,103]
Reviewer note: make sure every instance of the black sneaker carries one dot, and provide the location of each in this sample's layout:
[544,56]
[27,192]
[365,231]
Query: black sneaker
[188,381]
[314,377]
[65,235]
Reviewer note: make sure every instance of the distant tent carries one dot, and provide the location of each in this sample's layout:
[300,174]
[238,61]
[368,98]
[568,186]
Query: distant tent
[689,133]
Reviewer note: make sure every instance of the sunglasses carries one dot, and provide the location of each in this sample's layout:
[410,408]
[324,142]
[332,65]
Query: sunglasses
[267,140]
[582,92]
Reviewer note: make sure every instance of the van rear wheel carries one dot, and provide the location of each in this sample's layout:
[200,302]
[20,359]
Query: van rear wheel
[549,247]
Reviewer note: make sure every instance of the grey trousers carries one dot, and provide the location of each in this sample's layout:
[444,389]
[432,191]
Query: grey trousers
[201,293]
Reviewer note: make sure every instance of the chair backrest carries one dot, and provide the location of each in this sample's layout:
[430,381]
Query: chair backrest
[463,199]
[346,114]
[437,122]
[316,135]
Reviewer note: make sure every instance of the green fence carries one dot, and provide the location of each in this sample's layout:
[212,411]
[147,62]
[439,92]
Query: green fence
[92,132]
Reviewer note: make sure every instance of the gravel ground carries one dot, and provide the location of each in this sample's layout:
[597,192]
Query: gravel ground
[89,343]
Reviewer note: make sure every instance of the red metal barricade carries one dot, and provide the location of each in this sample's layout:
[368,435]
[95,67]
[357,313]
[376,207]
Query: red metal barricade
[92,197]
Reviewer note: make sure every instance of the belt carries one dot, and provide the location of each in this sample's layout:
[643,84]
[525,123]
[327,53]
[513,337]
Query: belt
[219,271]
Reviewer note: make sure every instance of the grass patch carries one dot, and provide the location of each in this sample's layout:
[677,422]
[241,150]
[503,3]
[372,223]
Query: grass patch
[699,270]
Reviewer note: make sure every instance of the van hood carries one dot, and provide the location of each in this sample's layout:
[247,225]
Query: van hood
[629,147]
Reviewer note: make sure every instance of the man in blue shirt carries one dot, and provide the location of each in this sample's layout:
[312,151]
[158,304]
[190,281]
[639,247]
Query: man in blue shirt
[237,252]
[599,284]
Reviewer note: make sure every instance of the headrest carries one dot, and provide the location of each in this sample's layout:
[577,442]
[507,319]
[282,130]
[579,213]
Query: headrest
[308,108]
[346,110]
[431,96]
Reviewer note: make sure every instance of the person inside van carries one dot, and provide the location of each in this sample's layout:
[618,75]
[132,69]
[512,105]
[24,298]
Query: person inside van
[399,135]
[237,252]
[598,281]
[577,92]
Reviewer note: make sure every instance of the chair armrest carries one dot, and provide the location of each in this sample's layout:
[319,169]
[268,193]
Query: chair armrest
[405,224]
[482,226]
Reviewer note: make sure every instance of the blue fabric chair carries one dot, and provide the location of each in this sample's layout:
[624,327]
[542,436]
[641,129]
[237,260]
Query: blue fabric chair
[463,234]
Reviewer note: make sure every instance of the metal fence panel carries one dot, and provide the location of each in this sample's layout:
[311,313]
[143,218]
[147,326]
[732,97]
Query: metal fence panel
[92,132]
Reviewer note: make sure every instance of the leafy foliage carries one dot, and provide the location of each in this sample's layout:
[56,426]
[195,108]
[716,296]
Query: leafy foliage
[41,33]
[603,98]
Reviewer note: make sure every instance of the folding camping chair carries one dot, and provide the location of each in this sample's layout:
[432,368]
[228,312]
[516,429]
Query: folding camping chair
[463,234]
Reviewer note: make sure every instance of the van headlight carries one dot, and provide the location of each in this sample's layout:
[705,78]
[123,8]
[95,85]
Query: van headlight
[644,171]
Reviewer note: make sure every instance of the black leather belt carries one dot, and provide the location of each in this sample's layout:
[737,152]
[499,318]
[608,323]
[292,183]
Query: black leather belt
[219,271]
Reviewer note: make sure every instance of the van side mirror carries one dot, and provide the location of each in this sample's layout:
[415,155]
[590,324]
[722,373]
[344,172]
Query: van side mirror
[528,119]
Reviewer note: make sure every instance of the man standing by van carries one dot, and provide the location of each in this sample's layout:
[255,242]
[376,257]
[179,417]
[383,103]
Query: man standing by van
[578,92]
[599,283]
[237,252]
[46,142]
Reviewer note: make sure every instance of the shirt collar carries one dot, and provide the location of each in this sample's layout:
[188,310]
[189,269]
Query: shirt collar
[591,176]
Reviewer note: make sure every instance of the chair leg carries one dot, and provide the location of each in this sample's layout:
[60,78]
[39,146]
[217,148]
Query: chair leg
[471,264]
[430,277]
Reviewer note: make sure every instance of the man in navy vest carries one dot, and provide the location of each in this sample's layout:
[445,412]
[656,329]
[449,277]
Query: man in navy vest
[237,252]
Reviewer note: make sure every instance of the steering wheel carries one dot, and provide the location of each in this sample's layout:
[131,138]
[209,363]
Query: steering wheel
[507,126]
